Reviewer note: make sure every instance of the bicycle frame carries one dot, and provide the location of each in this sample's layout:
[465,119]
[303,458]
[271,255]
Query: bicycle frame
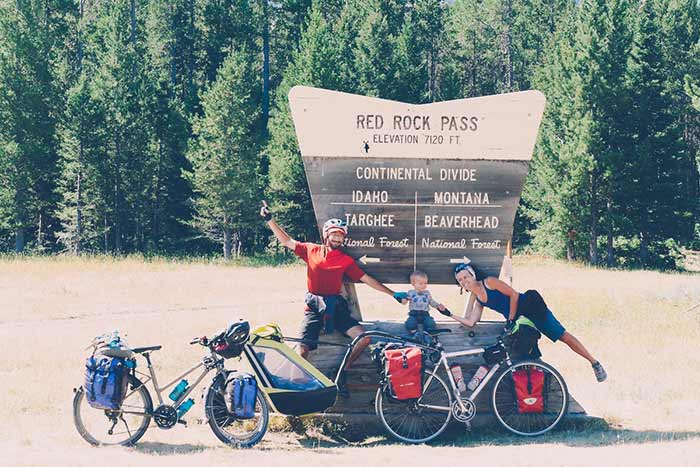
[456,394]
[207,364]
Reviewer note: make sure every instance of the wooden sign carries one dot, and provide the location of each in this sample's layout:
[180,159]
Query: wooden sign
[420,186]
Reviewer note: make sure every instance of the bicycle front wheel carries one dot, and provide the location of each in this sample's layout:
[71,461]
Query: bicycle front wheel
[416,420]
[124,427]
[534,413]
[241,433]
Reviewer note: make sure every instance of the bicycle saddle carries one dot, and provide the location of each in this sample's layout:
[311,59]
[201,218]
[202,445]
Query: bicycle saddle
[146,349]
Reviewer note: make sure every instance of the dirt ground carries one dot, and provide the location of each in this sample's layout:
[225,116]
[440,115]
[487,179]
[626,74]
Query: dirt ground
[637,323]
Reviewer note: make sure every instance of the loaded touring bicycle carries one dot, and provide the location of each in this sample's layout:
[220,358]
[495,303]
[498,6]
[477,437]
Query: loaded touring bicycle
[528,396]
[114,405]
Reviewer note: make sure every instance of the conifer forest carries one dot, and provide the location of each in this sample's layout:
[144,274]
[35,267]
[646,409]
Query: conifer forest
[155,127]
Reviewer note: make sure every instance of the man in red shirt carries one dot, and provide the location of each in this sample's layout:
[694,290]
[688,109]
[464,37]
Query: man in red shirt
[327,264]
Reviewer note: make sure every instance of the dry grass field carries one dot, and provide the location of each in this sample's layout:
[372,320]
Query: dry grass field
[637,324]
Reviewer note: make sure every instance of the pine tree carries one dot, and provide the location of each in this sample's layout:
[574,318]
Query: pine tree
[172,42]
[679,31]
[122,84]
[81,208]
[577,164]
[374,64]
[662,209]
[224,154]
[495,45]
[171,71]
[223,26]
[31,35]
[314,64]
[419,52]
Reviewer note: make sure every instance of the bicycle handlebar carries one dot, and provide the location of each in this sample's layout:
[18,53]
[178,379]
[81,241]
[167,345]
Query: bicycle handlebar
[201,341]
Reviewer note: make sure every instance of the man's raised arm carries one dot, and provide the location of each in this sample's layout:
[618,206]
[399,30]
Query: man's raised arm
[279,232]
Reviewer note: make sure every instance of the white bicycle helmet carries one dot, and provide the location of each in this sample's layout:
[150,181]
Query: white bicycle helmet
[334,225]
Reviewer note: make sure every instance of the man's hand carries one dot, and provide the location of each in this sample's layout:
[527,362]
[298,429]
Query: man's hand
[444,310]
[265,212]
[510,325]
[400,296]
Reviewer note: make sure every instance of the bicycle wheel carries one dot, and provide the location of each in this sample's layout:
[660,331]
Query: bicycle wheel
[114,427]
[228,428]
[555,400]
[416,420]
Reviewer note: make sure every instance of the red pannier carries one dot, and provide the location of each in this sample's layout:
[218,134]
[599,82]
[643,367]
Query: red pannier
[403,367]
[529,384]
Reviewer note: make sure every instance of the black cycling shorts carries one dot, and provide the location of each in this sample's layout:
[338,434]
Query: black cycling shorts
[312,324]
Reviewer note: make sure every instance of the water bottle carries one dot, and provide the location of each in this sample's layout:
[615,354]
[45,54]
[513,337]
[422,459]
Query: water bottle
[478,376]
[458,376]
[184,407]
[179,390]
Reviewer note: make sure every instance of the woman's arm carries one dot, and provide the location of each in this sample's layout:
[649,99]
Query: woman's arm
[505,289]
[472,313]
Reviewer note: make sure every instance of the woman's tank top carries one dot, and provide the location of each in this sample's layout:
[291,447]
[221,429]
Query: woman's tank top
[496,300]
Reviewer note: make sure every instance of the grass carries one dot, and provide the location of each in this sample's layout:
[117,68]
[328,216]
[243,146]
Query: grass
[635,322]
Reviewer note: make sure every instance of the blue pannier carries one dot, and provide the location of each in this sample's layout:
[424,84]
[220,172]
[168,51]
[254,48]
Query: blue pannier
[241,392]
[105,382]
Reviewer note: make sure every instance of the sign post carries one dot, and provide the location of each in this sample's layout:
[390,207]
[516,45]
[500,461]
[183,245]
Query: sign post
[420,186]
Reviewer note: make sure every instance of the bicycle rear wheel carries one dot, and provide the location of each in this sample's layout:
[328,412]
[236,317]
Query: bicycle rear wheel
[516,416]
[124,427]
[416,420]
[241,433]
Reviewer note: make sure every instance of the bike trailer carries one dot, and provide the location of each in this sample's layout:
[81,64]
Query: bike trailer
[292,384]
[529,385]
[240,394]
[105,381]
[403,368]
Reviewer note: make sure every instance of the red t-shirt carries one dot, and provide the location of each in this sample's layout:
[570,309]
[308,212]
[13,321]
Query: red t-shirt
[325,268]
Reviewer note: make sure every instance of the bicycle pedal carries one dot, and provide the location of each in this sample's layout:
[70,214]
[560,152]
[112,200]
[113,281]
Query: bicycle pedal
[184,422]
[468,427]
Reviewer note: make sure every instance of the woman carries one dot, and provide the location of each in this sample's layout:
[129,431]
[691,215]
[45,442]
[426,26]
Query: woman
[499,296]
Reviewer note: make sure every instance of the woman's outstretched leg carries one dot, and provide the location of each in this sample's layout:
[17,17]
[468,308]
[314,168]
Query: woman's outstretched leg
[576,345]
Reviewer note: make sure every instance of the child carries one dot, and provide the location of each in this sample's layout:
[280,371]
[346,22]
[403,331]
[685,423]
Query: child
[420,301]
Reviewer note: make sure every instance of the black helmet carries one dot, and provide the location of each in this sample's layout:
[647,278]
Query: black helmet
[237,333]
[229,343]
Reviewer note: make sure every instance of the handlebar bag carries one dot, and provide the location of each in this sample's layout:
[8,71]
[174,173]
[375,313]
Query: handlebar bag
[105,382]
[529,385]
[240,394]
[403,369]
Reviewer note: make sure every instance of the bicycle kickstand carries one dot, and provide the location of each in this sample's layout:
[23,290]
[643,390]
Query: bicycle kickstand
[468,426]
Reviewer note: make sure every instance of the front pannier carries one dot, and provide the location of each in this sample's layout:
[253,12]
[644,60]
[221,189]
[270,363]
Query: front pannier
[240,394]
